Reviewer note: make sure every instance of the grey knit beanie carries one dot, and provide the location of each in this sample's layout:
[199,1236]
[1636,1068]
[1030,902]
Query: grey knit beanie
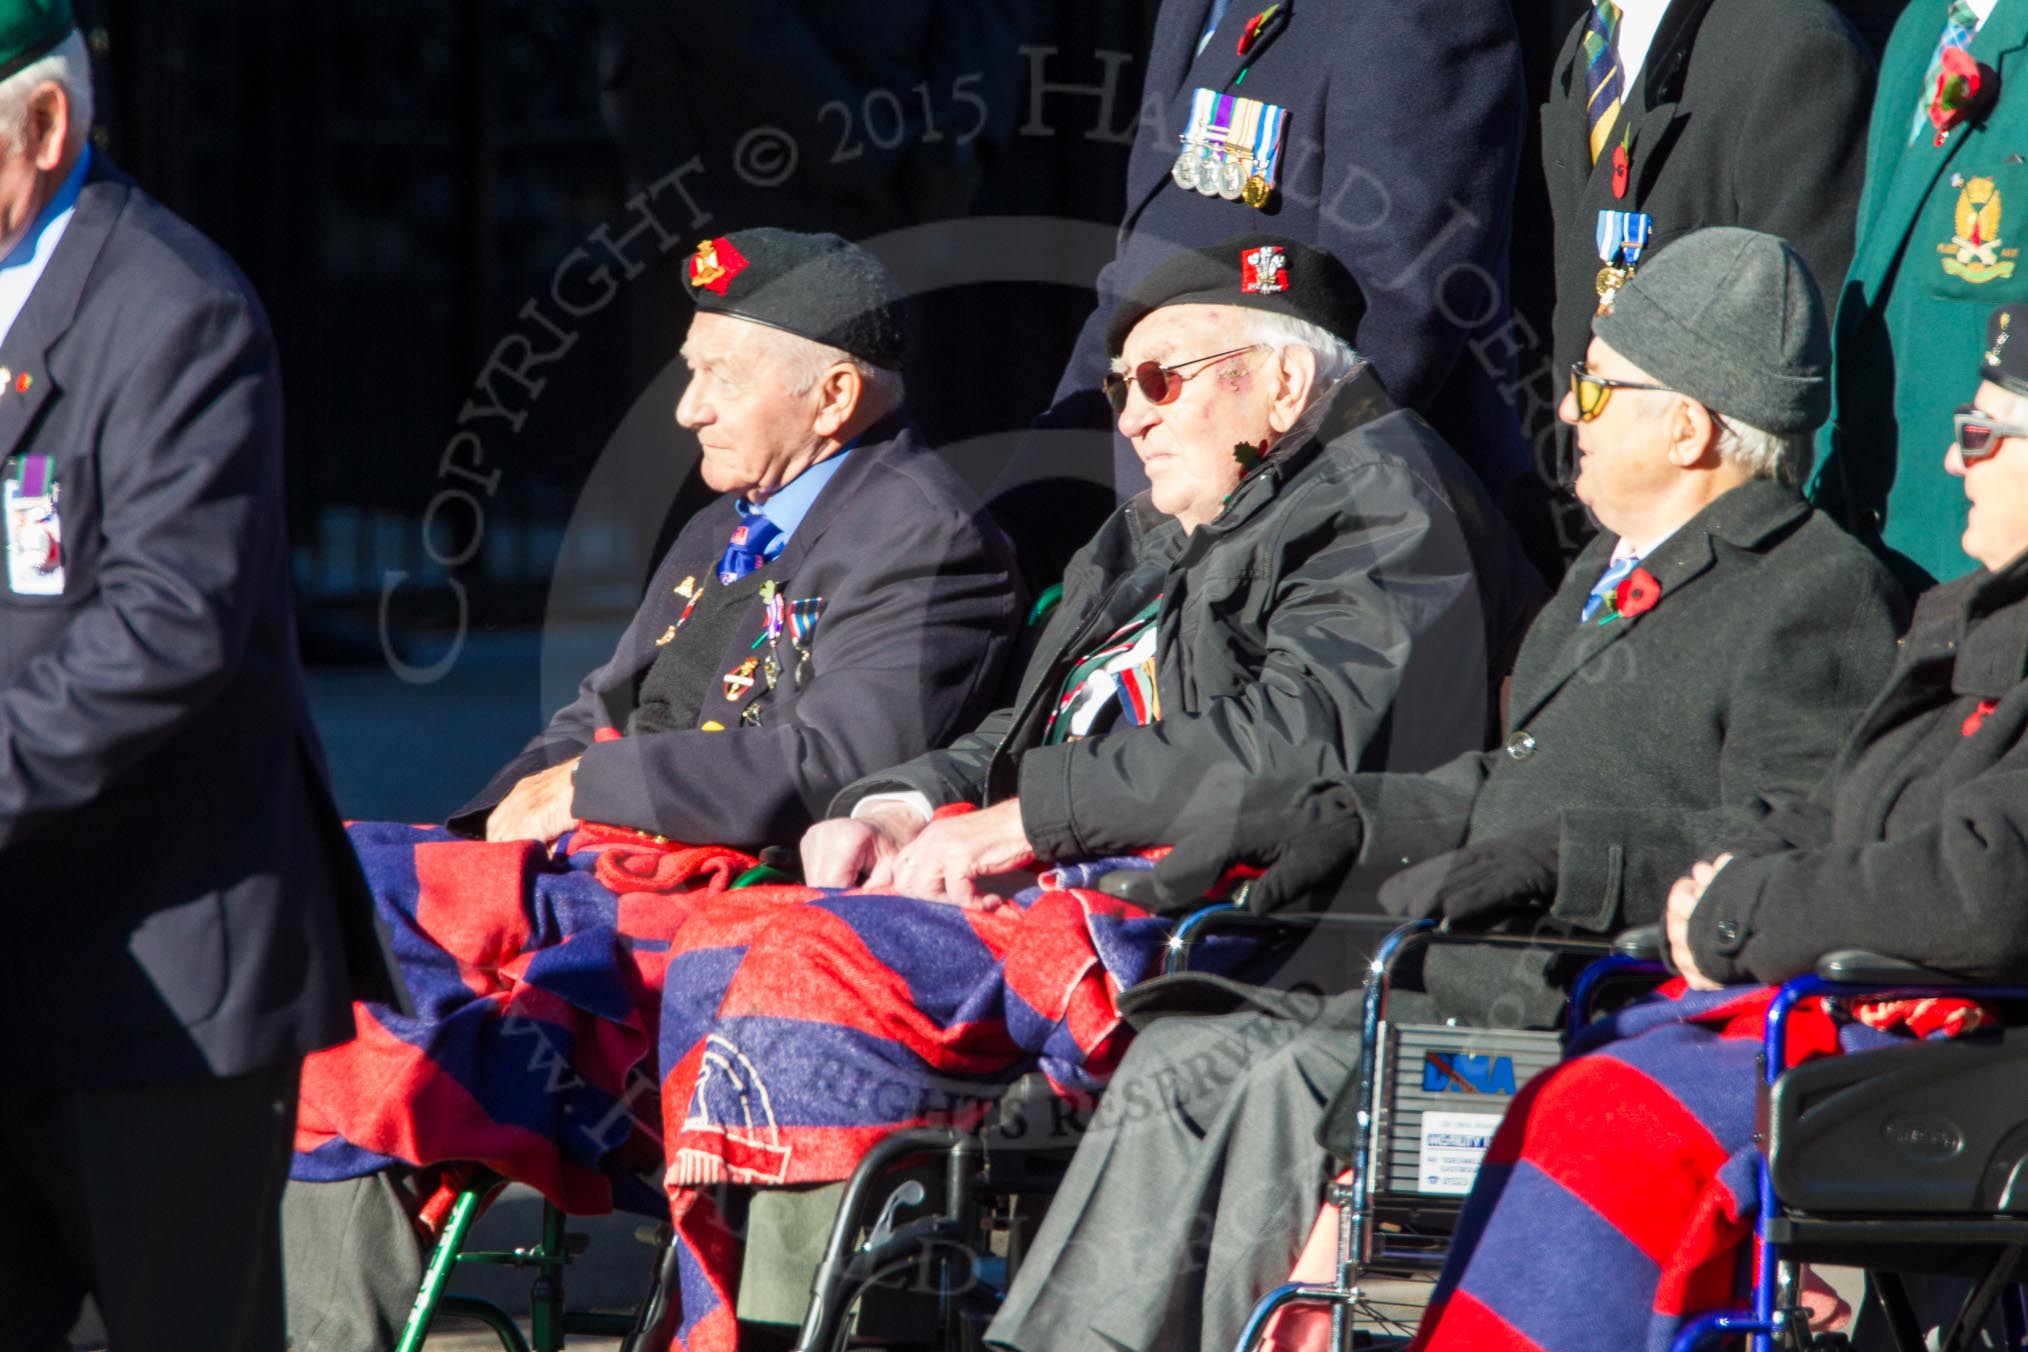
[1731,318]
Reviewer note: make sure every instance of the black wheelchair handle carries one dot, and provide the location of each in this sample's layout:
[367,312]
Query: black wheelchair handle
[1857,966]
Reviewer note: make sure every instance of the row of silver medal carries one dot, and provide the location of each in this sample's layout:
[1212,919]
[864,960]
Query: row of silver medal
[1216,173]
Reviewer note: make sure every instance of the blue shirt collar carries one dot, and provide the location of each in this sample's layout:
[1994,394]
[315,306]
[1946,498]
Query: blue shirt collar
[60,205]
[791,503]
[23,265]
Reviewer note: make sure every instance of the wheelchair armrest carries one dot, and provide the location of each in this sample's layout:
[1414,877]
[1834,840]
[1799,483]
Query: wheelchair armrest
[1644,943]
[1858,967]
[1136,885]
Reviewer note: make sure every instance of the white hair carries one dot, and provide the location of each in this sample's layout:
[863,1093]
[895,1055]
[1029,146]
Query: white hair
[802,362]
[1784,457]
[69,65]
[1265,328]
[1335,356]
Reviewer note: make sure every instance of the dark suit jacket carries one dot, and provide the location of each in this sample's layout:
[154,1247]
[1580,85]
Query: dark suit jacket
[920,608]
[1718,139]
[181,901]
[1916,841]
[1404,138]
[1346,609]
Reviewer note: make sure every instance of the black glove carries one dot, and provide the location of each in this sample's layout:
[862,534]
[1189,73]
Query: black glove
[1479,880]
[1306,847]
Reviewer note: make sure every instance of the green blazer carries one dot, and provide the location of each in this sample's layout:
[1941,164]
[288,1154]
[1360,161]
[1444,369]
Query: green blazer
[1911,320]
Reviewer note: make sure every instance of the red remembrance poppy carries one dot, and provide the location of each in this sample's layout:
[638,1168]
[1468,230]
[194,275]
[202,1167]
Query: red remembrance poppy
[1978,716]
[1965,90]
[1637,593]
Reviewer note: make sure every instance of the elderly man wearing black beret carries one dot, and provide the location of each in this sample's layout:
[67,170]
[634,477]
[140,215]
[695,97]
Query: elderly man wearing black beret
[1703,658]
[741,723]
[1313,583]
[844,604]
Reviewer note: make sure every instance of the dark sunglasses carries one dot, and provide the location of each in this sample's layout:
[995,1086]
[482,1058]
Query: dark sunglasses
[1158,384]
[1979,435]
[1591,392]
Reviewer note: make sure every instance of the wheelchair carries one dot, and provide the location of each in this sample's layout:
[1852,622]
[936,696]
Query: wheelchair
[1902,1160]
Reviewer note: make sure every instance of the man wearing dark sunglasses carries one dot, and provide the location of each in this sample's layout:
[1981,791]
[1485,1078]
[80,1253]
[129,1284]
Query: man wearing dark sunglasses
[1704,656]
[1290,503]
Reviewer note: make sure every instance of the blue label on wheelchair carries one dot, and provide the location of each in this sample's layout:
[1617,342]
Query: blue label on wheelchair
[1464,1073]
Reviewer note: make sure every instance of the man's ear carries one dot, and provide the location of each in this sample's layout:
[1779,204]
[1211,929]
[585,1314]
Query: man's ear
[1295,372]
[1693,443]
[839,391]
[48,125]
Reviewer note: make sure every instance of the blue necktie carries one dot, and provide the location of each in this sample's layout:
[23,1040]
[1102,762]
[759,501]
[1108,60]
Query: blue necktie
[1608,582]
[749,547]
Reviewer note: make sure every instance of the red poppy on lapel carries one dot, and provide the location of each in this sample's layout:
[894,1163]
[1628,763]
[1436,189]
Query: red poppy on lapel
[1965,91]
[1623,163]
[1251,33]
[1637,593]
[1978,716]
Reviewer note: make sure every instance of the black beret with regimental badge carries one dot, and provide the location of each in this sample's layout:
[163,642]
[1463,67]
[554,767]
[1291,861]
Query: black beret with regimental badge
[1253,271]
[2005,360]
[818,287]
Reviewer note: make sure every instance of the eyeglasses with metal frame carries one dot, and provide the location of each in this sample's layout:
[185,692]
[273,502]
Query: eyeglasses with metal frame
[1159,384]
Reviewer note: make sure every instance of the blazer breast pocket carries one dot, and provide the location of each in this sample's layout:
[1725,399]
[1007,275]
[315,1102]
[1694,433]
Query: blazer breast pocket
[1967,242]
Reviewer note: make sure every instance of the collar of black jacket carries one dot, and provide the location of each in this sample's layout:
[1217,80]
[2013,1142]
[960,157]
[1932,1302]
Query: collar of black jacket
[1747,516]
[1990,630]
[1358,399]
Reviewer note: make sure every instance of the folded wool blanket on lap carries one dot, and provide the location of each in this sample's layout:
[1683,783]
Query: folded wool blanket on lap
[536,976]
[796,1027]
[798,1033]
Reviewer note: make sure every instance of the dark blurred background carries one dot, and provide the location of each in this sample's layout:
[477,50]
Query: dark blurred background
[467,220]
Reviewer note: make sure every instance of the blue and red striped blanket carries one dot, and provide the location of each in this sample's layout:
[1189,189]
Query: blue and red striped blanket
[795,1027]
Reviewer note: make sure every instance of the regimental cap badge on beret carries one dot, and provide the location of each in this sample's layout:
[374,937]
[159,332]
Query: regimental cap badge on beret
[1264,271]
[715,264]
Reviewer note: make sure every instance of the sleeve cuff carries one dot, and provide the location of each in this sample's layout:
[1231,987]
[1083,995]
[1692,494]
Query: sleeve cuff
[1723,922]
[1044,788]
[610,785]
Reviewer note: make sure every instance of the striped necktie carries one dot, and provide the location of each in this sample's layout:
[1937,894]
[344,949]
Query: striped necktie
[1959,26]
[1609,581]
[1602,73]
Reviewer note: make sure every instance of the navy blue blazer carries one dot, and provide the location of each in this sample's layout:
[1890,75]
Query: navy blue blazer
[920,609]
[1404,138]
[180,898]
